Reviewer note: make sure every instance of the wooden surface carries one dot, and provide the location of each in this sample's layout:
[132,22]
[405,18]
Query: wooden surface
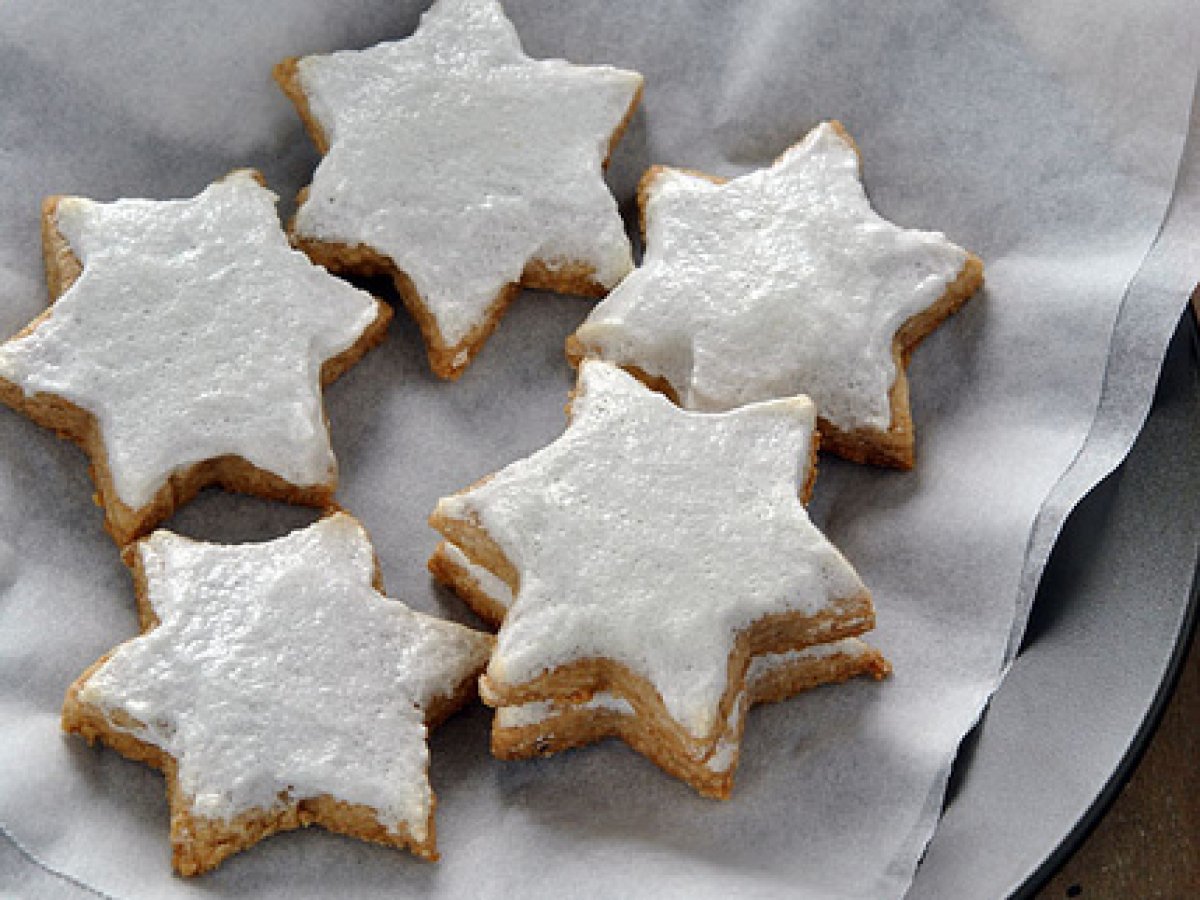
[1147,847]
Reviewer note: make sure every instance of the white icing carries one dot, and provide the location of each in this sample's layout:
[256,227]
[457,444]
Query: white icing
[461,159]
[767,663]
[193,332]
[277,667]
[492,585]
[531,713]
[781,282]
[537,711]
[723,756]
[725,751]
[653,536]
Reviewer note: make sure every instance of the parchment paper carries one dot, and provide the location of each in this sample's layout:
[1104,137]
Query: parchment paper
[1045,140]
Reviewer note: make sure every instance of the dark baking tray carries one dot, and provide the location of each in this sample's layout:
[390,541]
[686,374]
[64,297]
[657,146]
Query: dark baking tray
[1114,616]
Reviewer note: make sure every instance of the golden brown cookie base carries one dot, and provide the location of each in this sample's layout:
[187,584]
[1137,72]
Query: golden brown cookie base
[446,360]
[233,473]
[577,728]
[893,446]
[571,726]
[199,843]
[779,633]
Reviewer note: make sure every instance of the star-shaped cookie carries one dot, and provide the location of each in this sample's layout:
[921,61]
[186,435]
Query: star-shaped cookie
[277,688]
[542,727]
[462,168]
[653,552]
[780,282]
[187,345]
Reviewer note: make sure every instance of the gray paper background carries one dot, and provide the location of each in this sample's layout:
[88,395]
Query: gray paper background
[1046,141]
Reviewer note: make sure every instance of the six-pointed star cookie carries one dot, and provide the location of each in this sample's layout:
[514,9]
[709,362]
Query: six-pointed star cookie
[277,688]
[188,347]
[542,727]
[781,282]
[462,168]
[653,552]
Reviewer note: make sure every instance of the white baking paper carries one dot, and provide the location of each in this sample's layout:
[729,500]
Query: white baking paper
[1047,140]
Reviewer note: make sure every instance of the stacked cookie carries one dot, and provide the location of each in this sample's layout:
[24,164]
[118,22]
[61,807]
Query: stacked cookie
[652,573]
[654,557]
